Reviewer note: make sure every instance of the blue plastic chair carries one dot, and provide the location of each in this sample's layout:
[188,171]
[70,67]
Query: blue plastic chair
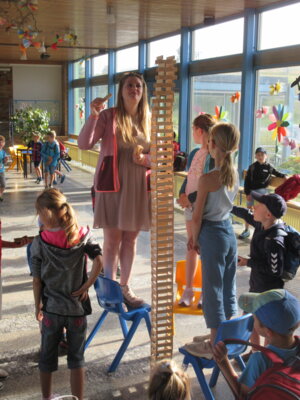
[237,328]
[110,298]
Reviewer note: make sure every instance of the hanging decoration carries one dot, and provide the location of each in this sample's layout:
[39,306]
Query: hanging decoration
[221,114]
[261,112]
[236,97]
[289,142]
[297,82]
[20,16]
[275,88]
[81,108]
[279,122]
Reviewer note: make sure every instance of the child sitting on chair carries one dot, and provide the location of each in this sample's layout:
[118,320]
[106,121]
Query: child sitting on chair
[168,382]
[276,317]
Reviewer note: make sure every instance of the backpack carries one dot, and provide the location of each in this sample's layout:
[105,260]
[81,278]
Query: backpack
[290,188]
[180,162]
[292,250]
[279,382]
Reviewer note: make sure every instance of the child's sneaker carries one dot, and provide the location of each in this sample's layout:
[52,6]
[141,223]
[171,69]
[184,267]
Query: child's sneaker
[187,298]
[55,182]
[130,299]
[200,349]
[3,374]
[63,177]
[245,234]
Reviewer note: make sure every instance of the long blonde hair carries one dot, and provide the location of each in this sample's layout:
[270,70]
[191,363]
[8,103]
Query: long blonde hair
[124,121]
[168,382]
[52,205]
[226,137]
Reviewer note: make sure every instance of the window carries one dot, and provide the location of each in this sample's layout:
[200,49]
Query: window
[127,59]
[280,154]
[164,47]
[99,91]
[279,27]
[209,91]
[79,69]
[79,108]
[100,65]
[218,40]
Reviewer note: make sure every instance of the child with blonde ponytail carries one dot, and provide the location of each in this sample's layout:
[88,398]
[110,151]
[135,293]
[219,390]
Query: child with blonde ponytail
[213,237]
[168,382]
[60,286]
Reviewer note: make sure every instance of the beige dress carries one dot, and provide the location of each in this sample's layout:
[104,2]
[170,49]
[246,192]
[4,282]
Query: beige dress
[130,208]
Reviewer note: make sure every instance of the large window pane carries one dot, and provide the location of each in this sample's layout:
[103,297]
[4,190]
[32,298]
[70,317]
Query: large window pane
[279,154]
[218,40]
[100,65]
[127,59]
[164,47]
[79,69]
[99,91]
[209,91]
[280,27]
[79,108]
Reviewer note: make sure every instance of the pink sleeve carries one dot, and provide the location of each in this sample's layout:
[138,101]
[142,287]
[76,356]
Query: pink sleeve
[92,131]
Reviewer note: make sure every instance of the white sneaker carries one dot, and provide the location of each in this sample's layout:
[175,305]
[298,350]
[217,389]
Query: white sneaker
[201,338]
[187,298]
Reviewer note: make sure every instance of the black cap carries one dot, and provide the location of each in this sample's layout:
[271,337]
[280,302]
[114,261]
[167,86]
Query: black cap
[274,203]
[260,150]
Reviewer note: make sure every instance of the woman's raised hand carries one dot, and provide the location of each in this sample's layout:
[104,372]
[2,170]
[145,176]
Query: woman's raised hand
[97,105]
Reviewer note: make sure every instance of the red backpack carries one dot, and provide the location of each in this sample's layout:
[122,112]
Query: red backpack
[279,382]
[290,188]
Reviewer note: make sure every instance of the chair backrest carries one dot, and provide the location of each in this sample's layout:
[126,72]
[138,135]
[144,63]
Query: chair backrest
[236,328]
[180,274]
[109,294]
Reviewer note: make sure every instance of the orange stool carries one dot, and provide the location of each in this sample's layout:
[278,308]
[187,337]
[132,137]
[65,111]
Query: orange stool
[197,287]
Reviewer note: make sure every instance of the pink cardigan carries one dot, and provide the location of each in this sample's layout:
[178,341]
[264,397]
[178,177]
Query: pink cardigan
[104,129]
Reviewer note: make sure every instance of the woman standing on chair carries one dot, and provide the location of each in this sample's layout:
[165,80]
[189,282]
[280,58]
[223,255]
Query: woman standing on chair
[122,203]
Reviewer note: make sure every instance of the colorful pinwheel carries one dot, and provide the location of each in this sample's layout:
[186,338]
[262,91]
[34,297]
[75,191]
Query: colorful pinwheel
[236,97]
[261,112]
[220,114]
[275,88]
[279,122]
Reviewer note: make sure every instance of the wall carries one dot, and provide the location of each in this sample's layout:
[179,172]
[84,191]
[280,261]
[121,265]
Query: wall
[39,86]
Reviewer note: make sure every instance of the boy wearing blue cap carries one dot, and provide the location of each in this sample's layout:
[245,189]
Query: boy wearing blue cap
[276,317]
[258,178]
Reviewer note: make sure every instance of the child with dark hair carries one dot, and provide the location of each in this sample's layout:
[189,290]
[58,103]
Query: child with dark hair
[276,317]
[258,178]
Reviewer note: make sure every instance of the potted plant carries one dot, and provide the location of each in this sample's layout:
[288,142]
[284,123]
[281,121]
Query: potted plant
[29,120]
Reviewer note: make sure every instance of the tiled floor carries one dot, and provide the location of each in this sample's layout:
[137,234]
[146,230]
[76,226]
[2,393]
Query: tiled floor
[19,333]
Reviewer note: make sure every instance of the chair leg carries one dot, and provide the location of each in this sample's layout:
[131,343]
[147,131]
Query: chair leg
[148,323]
[241,362]
[123,326]
[95,329]
[214,376]
[124,345]
[196,363]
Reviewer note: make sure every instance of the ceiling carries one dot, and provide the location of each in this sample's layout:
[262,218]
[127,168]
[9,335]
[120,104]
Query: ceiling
[103,24]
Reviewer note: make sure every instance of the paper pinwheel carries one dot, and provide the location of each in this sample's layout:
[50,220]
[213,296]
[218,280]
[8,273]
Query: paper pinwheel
[279,122]
[275,88]
[220,114]
[236,97]
[261,112]
[289,142]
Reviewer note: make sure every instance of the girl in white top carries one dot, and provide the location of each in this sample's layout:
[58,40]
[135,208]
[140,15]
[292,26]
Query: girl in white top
[213,236]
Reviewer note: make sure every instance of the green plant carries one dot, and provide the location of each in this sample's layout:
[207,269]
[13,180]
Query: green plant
[29,120]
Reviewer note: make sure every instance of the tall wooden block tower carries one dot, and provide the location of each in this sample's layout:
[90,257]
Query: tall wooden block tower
[162,230]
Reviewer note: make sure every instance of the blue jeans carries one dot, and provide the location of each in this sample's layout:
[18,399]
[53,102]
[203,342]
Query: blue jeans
[218,251]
